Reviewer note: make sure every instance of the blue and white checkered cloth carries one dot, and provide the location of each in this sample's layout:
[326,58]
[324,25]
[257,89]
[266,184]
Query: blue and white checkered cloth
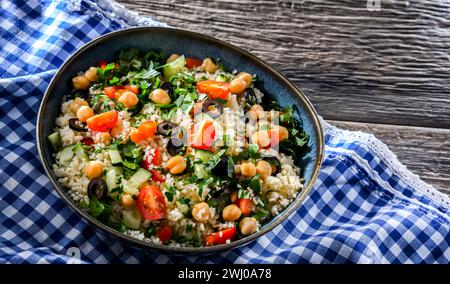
[365,207]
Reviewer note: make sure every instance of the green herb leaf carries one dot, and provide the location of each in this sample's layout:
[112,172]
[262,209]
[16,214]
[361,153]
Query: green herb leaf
[96,208]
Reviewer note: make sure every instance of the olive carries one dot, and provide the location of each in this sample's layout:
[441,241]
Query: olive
[97,187]
[75,124]
[168,87]
[274,162]
[221,168]
[212,107]
[167,128]
[175,146]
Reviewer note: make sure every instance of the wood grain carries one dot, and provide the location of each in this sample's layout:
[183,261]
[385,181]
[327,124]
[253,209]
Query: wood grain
[390,66]
[363,70]
[420,149]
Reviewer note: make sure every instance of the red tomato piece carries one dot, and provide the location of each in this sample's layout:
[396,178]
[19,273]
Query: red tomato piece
[192,62]
[136,136]
[155,160]
[214,89]
[110,91]
[102,64]
[203,135]
[103,122]
[132,88]
[151,203]
[246,205]
[157,176]
[221,237]
[164,233]
[147,128]
[87,141]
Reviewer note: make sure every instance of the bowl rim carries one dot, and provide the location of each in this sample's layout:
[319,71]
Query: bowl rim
[164,248]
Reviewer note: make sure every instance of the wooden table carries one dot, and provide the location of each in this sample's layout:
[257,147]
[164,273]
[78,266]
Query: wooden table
[386,72]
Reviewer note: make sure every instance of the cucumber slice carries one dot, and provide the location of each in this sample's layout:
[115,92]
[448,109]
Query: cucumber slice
[115,156]
[79,151]
[132,219]
[111,181]
[173,67]
[118,170]
[200,172]
[66,155]
[138,179]
[221,78]
[55,141]
[203,155]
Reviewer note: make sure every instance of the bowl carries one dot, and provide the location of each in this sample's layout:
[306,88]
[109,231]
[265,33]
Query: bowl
[272,83]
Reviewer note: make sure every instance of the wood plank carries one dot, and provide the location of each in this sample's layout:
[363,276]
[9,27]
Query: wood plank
[425,151]
[390,66]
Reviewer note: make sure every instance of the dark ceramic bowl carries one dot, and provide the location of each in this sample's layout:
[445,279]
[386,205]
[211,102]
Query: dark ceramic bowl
[169,40]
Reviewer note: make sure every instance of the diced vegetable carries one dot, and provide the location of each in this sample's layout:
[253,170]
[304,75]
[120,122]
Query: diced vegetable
[55,141]
[174,67]
[115,156]
[221,78]
[203,135]
[66,155]
[132,219]
[192,62]
[165,233]
[151,203]
[79,151]
[205,156]
[136,181]
[111,182]
[221,237]
[104,121]
[200,171]
[214,89]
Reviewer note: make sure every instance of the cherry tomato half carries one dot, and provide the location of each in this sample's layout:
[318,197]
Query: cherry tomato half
[103,122]
[203,135]
[214,89]
[220,237]
[155,160]
[151,203]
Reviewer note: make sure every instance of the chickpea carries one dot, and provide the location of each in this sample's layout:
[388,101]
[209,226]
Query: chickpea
[84,112]
[91,74]
[159,96]
[176,164]
[231,213]
[262,138]
[248,226]
[103,137]
[259,110]
[237,86]
[76,104]
[116,131]
[172,57]
[252,115]
[93,169]
[80,82]
[247,78]
[264,169]
[201,211]
[209,66]
[129,99]
[127,201]
[248,169]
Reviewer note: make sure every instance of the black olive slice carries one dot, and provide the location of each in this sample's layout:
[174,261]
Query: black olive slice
[97,187]
[212,108]
[221,168]
[168,87]
[274,162]
[75,124]
[175,146]
[167,128]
